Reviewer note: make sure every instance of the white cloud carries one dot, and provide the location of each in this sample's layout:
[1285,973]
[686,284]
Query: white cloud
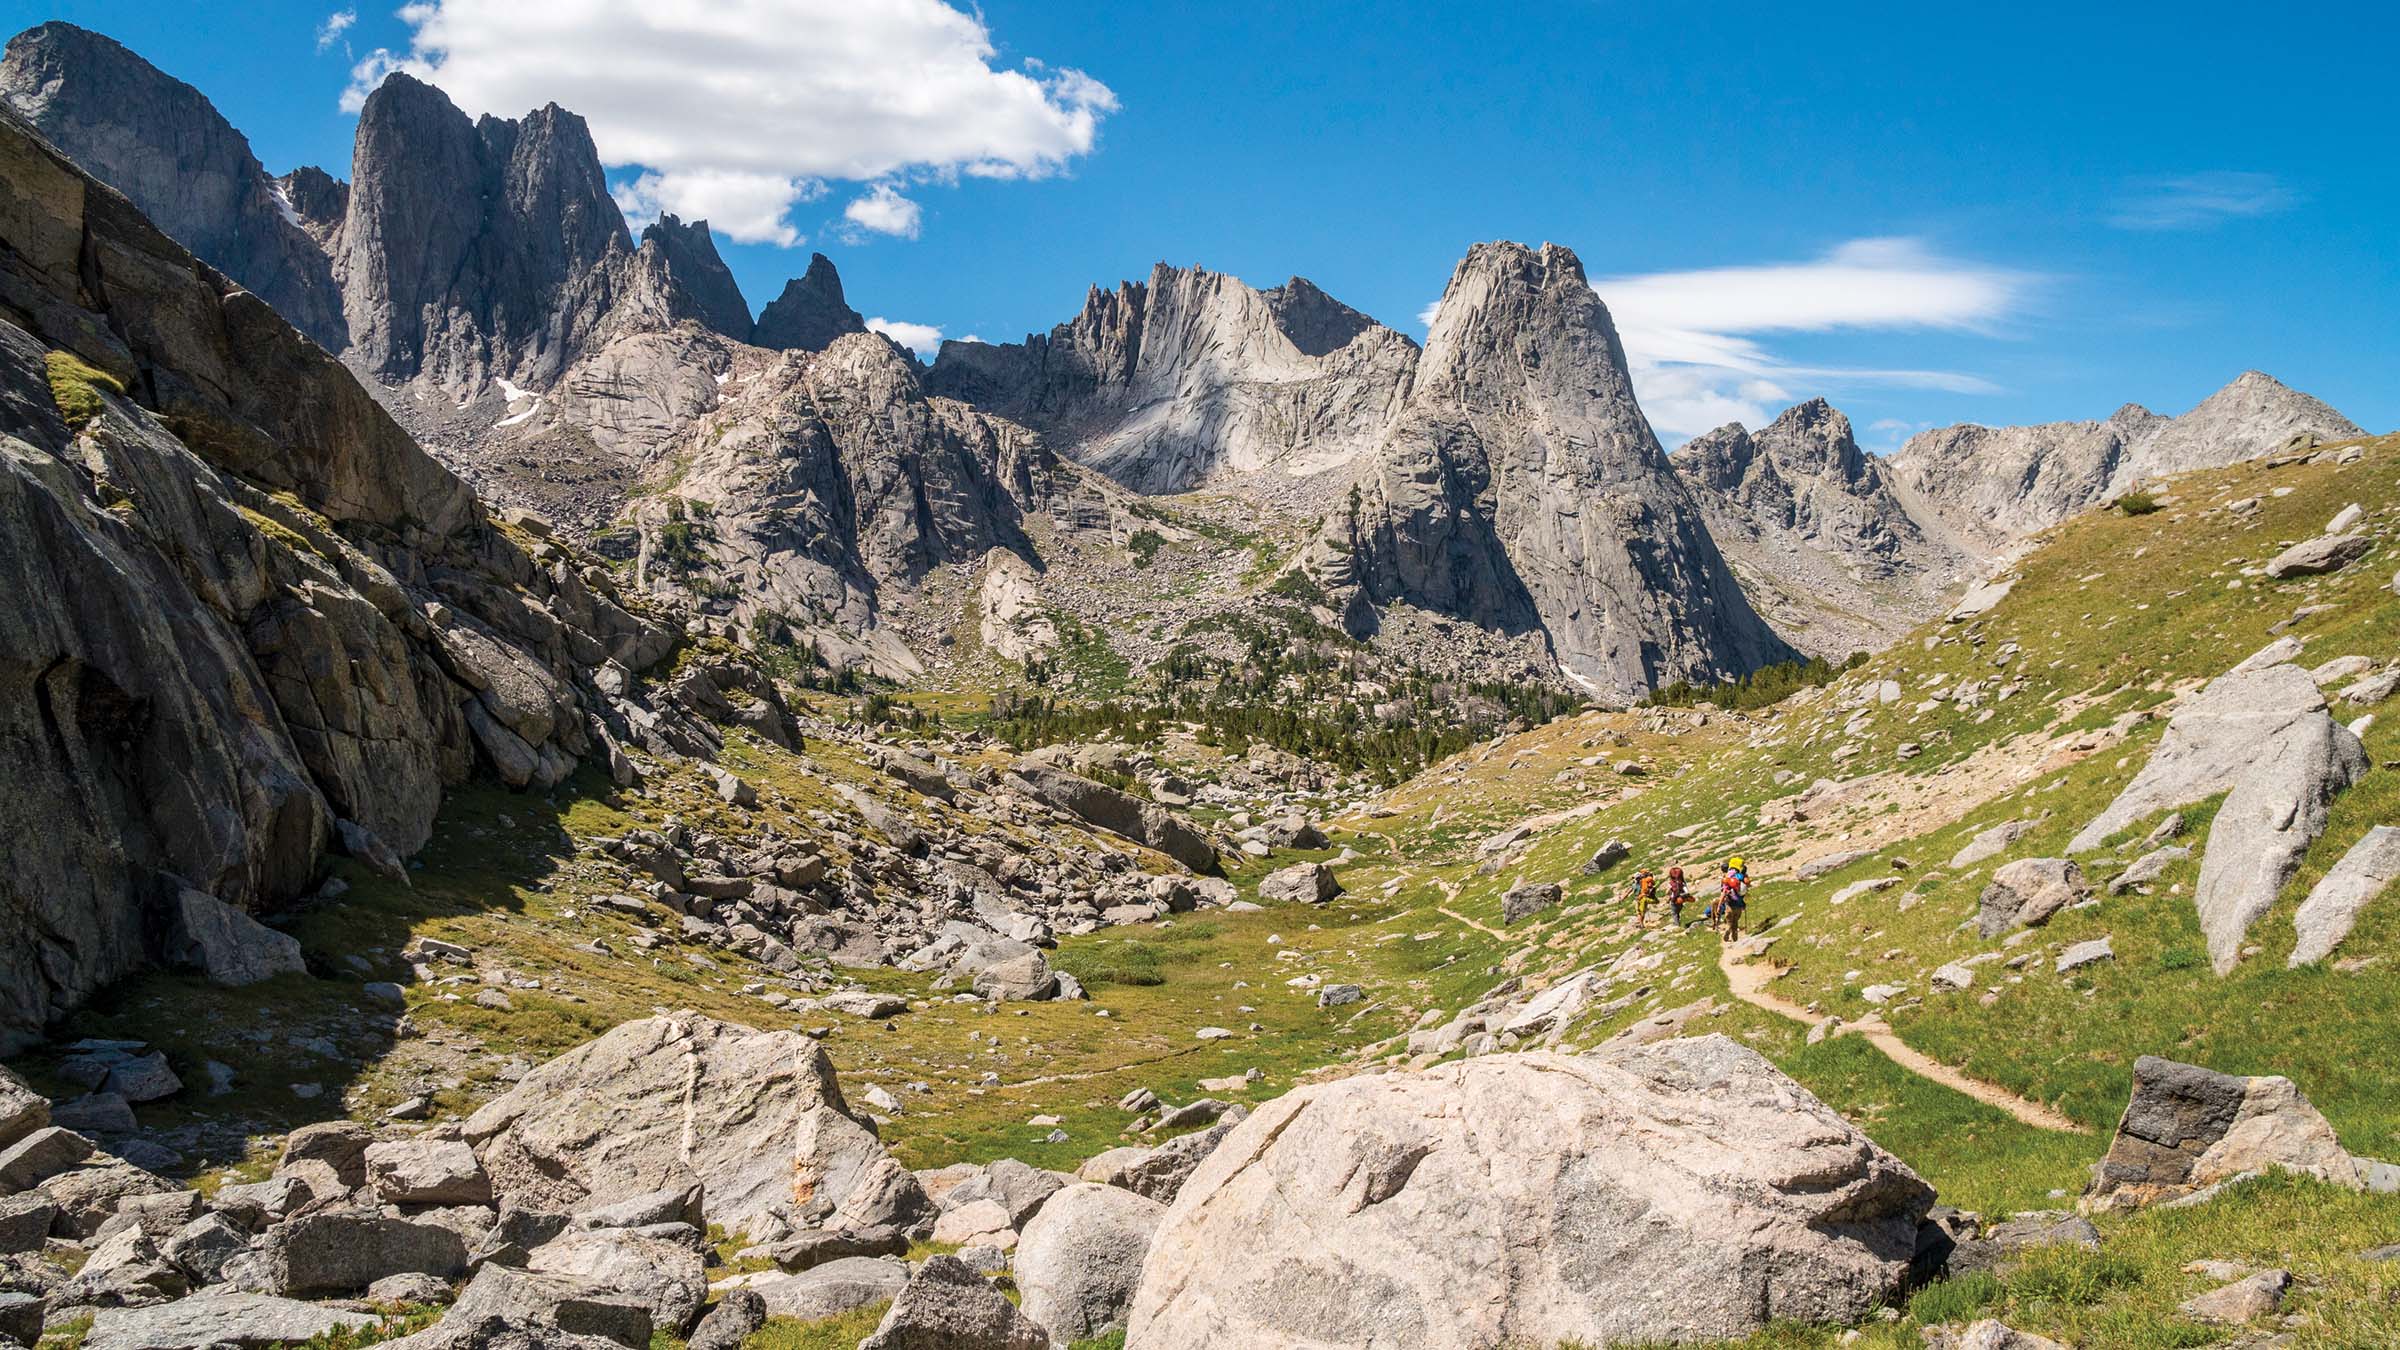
[1425,315]
[885,211]
[1696,366]
[731,103]
[921,338]
[748,207]
[2197,201]
[336,24]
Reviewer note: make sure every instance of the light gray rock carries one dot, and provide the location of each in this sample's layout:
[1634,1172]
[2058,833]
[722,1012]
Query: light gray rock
[1160,1173]
[2148,868]
[1080,1259]
[22,1110]
[2188,1128]
[668,1278]
[730,1324]
[1990,843]
[505,1309]
[2244,1300]
[946,1306]
[1145,823]
[2332,908]
[1308,883]
[1524,901]
[1990,1334]
[2027,892]
[125,1270]
[842,1285]
[226,945]
[2084,954]
[215,1318]
[1618,1165]
[427,1172]
[2264,737]
[25,1221]
[2315,557]
[40,1155]
[757,1117]
[344,1251]
[145,1078]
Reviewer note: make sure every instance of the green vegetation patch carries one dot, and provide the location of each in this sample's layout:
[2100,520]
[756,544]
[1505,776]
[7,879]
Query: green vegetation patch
[76,385]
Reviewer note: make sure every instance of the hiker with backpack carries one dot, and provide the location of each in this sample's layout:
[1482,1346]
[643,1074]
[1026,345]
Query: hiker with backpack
[1645,890]
[1733,896]
[1677,895]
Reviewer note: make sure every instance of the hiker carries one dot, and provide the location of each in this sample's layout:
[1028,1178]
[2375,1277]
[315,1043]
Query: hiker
[1677,895]
[1645,890]
[1733,897]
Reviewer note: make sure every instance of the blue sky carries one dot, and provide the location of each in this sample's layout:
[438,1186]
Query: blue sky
[2019,215]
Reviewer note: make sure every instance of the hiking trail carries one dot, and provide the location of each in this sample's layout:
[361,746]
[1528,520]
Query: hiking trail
[1748,981]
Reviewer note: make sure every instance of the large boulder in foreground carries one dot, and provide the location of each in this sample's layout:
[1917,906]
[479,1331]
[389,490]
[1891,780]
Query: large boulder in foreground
[1680,1190]
[1080,1259]
[756,1116]
[2261,734]
[2186,1127]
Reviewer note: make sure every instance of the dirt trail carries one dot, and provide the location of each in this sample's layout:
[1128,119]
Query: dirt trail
[1748,981]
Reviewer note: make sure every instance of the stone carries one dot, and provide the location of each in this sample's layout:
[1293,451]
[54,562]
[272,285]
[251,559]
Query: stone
[1953,977]
[22,1110]
[1339,995]
[1989,1334]
[737,1316]
[1023,977]
[226,945]
[1990,843]
[1607,856]
[21,1316]
[684,1204]
[143,1079]
[101,1113]
[1981,598]
[89,1196]
[1426,1191]
[2244,1300]
[1081,1258]
[344,1251]
[1145,823]
[979,1222]
[1019,1189]
[40,1155]
[505,1309]
[1307,883]
[2084,954]
[1830,863]
[2027,892]
[409,1287]
[259,1203]
[1522,902]
[829,1290]
[125,1270]
[1160,1173]
[2332,908]
[2148,868]
[757,1117]
[339,1144]
[2264,737]
[2315,557]
[220,1319]
[946,1306]
[25,1221]
[2186,1128]
[864,1003]
[427,1172]
[668,1278]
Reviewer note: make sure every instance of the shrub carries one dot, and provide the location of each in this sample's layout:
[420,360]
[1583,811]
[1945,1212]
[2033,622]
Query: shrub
[1145,545]
[2137,503]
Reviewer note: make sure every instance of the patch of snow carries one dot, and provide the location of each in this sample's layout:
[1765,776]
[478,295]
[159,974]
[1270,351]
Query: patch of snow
[515,393]
[724,375]
[511,421]
[283,201]
[1579,679]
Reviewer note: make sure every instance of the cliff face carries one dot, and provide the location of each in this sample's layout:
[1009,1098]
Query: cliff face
[164,145]
[1191,378]
[809,314]
[1521,483]
[243,618]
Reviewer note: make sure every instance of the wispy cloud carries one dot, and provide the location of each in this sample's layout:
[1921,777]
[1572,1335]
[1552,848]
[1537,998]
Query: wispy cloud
[885,211]
[2197,201]
[922,338]
[335,26]
[1692,338]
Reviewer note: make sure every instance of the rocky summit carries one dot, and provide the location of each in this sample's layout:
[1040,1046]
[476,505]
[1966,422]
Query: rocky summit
[542,809]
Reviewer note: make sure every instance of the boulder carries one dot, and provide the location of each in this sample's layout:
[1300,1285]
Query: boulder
[667,1278]
[978,1222]
[1990,843]
[2332,908]
[836,1287]
[2027,892]
[684,1204]
[731,1323]
[2262,735]
[1024,977]
[220,1319]
[427,1172]
[25,1222]
[757,1117]
[87,1197]
[1081,1258]
[2084,954]
[39,1155]
[1989,1334]
[1607,856]
[2186,1127]
[204,1247]
[864,1003]
[226,945]
[2244,1300]
[339,1144]
[1524,901]
[2147,868]
[343,1251]
[946,1306]
[1160,1173]
[2315,557]
[1307,883]
[126,1270]
[1533,1198]
[1145,823]
[22,1110]
[505,1309]
[1019,1189]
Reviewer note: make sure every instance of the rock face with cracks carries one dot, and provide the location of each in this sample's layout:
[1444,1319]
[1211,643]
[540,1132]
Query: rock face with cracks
[756,1117]
[1534,1199]
[2261,734]
[2186,1127]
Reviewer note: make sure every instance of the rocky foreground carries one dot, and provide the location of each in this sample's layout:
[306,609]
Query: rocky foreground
[1530,1199]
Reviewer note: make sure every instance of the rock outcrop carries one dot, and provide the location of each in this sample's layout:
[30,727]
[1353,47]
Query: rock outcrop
[2186,1128]
[1521,488]
[245,617]
[1191,378]
[1532,1199]
[164,145]
[2261,734]
[1813,528]
[1994,485]
[756,1117]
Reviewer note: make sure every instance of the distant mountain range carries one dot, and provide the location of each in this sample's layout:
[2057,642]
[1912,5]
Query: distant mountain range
[1493,503]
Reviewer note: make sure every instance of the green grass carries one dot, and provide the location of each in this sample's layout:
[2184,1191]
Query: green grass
[76,386]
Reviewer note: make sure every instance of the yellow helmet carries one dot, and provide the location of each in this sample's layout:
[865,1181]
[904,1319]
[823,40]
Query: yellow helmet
[1736,865]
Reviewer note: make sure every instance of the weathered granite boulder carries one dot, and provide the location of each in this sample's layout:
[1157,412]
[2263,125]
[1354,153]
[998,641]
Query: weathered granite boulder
[1080,1259]
[2187,1127]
